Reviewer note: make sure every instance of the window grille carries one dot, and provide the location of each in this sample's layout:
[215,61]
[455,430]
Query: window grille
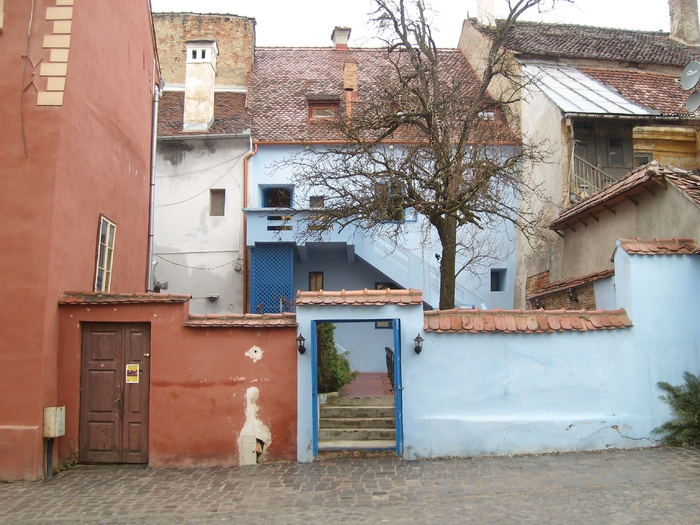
[272,278]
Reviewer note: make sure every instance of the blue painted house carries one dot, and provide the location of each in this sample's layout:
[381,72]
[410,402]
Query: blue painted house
[292,95]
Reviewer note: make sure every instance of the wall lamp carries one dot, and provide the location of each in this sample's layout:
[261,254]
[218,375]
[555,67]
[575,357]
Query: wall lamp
[419,344]
[300,344]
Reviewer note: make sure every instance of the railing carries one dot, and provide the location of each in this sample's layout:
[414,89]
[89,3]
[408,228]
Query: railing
[586,179]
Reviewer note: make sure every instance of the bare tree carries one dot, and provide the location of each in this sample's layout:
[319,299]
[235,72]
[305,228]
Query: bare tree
[429,138]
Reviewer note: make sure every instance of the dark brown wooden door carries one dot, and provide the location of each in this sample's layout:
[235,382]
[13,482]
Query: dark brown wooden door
[114,402]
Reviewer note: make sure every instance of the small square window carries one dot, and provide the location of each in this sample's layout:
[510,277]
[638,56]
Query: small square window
[105,255]
[217,203]
[316,202]
[643,158]
[498,279]
[315,281]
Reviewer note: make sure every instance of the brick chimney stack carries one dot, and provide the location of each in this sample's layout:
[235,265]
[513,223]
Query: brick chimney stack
[340,37]
[684,21]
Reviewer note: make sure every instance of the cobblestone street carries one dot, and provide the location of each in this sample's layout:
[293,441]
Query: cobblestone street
[637,486]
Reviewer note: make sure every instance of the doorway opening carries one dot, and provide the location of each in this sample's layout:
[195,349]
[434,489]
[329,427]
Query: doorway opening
[365,414]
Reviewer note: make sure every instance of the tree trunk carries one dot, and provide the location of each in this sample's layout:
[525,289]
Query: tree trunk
[448,262]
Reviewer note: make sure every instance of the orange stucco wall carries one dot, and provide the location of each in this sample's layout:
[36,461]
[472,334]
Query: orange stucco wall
[88,156]
[199,380]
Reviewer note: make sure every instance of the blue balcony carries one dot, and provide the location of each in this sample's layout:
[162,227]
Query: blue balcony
[284,225]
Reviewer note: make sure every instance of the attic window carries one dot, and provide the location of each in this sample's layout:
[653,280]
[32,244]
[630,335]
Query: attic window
[323,109]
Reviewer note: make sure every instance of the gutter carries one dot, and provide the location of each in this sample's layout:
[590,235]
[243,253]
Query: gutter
[157,91]
[202,136]
[246,160]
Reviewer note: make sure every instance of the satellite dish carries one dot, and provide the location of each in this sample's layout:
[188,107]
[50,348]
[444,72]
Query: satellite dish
[693,101]
[691,75]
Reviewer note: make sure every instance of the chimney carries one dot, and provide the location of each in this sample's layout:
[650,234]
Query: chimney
[350,84]
[340,37]
[684,21]
[485,13]
[200,73]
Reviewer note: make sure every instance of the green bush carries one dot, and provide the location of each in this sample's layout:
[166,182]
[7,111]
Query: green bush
[333,368]
[684,428]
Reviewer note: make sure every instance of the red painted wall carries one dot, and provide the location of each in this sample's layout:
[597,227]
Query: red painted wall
[199,379]
[89,156]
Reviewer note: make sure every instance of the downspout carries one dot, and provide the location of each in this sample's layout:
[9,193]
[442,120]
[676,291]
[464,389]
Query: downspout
[253,151]
[157,91]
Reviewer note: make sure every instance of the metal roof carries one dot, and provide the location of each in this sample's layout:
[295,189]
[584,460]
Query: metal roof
[575,92]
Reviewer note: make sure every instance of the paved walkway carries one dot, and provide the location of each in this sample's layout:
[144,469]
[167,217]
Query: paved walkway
[640,486]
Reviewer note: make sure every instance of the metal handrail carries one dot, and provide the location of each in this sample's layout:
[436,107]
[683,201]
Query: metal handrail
[588,179]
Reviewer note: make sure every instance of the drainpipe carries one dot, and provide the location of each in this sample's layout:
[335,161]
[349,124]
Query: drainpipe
[157,91]
[246,160]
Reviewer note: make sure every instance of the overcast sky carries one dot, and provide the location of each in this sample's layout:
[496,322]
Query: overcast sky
[310,22]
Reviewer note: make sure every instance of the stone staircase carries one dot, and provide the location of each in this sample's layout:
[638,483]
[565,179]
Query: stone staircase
[357,423]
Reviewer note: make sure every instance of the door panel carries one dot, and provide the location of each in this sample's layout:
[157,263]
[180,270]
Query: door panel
[113,413]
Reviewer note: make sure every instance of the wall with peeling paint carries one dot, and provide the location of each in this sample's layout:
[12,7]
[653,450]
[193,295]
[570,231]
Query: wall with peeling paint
[209,386]
[199,254]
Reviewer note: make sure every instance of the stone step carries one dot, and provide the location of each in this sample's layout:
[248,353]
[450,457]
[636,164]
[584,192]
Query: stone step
[352,411]
[338,445]
[357,422]
[360,401]
[348,434]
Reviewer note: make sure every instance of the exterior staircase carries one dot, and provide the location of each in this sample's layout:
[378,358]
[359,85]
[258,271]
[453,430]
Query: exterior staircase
[357,423]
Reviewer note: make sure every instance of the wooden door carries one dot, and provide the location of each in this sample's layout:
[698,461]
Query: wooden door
[114,402]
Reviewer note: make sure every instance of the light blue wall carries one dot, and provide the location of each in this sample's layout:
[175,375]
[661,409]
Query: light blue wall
[495,393]
[411,264]
[365,345]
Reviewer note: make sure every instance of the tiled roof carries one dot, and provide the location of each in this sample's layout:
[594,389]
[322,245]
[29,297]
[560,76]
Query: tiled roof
[573,282]
[575,92]
[361,297]
[284,79]
[660,246]
[554,41]
[241,321]
[230,116]
[121,298]
[644,179]
[651,90]
[524,321]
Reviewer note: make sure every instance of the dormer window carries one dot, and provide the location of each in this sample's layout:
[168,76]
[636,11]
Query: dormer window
[323,109]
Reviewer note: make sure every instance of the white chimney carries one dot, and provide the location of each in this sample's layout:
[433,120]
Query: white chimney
[340,37]
[200,73]
[485,13]
[684,21]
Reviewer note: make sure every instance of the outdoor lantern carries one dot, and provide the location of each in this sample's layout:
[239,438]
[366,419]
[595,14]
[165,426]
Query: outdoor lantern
[300,344]
[419,344]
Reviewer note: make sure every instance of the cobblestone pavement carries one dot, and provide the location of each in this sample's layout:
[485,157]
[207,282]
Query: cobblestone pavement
[637,486]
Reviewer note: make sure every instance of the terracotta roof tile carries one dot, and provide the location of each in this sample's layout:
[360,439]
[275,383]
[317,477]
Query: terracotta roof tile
[524,321]
[120,298]
[554,41]
[283,80]
[230,116]
[660,246]
[637,182]
[284,320]
[357,297]
[572,282]
[650,90]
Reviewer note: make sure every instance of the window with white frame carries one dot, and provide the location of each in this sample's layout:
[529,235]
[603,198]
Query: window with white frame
[105,254]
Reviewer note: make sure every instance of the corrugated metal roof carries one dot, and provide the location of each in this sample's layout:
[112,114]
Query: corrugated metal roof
[575,92]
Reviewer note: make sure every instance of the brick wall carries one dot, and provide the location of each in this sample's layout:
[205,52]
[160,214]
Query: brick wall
[558,300]
[536,282]
[234,35]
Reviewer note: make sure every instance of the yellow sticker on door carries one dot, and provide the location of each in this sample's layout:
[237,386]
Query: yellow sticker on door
[132,373]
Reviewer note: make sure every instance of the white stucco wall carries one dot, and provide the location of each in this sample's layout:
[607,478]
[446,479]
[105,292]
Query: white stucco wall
[199,254]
